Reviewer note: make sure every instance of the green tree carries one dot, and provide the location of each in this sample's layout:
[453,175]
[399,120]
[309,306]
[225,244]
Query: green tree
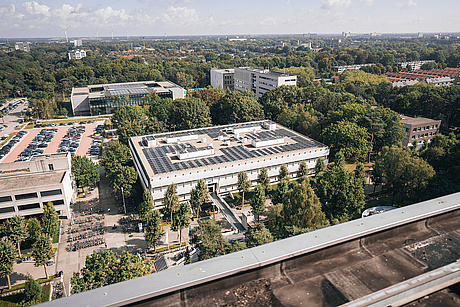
[243,184]
[360,174]
[349,138]
[128,130]
[281,195]
[257,235]
[15,230]
[153,228]
[258,201]
[129,266]
[237,107]
[34,229]
[146,205]
[127,115]
[116,154]
[50,220]
[341,194]
[181,219]
[303,170]
[284,173]
[208,238]
[404,173]
[264,180]
[190,113]
[199,196]
[275,221]
[85,171]
[123,177]
[171,200]
[304,208]
[42,251]
[320,166]
[7,258]
[32,290]
[98,271]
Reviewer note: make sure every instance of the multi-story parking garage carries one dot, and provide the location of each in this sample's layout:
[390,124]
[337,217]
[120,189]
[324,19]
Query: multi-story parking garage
[218,154]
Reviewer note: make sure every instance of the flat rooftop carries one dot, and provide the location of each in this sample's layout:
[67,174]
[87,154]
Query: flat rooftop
[29,180]
[416,120]
[227,145]
[128,88]
[266,71]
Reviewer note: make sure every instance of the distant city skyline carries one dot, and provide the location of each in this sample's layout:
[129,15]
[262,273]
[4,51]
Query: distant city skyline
[49,18]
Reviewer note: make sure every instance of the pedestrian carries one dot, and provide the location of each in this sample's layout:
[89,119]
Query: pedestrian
[108,210]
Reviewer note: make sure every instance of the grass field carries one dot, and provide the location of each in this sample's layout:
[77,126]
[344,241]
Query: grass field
[16,299]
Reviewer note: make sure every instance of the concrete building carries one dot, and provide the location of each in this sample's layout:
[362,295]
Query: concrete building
[419,129]
[76,54]
[218,154]
[260,81]
[342,68]
[22,46]
[25,187]
[77,42]
[415,65]
[100,98]
[223,79]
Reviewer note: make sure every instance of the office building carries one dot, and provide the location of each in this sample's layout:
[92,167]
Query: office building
[419,129]
[76,54]
[22,46]
[260,81]
[223,79]
[77,42]
[105,98]
[25,187]
[218,154]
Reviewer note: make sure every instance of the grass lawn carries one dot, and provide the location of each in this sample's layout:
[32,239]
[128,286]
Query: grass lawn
[14,300]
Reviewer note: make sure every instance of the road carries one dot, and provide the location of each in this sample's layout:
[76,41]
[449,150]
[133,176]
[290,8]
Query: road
[12,119]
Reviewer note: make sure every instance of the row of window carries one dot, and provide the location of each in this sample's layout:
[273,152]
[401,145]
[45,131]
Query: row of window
[8,198]
[235,175]
[423,135]
[425,128]
[28,206]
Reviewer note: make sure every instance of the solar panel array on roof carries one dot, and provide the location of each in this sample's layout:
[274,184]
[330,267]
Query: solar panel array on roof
[162,163]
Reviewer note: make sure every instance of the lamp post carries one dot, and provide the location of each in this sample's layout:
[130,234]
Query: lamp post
[123,196]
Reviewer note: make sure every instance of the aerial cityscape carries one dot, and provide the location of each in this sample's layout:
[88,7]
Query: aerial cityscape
[194,153]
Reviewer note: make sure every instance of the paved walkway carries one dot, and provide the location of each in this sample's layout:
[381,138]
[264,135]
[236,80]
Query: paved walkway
[227,212]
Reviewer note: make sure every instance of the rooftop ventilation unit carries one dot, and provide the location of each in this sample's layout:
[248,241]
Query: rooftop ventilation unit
[269,125]
[245,129]
[267,142]
[190,153]
[182,138]
[149,141]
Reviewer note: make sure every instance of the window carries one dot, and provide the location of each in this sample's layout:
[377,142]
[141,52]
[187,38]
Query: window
[25,196]
[58,202]
[6,210]
[51,193]
[5,199]
[51,167]
[29,206]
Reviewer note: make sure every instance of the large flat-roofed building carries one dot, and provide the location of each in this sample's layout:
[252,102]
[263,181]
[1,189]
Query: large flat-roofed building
[419,129]
[76,54]
[25,187]
[218,154]
[223,79]
[260,81]
[102,99]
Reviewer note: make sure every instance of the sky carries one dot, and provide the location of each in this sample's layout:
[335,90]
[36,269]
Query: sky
[84,18]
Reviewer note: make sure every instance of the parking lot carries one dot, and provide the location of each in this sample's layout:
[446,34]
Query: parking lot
[78,139]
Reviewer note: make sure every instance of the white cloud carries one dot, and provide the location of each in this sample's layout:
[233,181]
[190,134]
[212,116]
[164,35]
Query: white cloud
[34,8]
[366,2]
[180,16]
[335,4]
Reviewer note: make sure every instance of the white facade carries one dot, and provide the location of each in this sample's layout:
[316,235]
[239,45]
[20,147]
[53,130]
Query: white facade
[260,81]
[415,65]
[160,165]
[22,46]
[76,54]
[223,79]
[25,187]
